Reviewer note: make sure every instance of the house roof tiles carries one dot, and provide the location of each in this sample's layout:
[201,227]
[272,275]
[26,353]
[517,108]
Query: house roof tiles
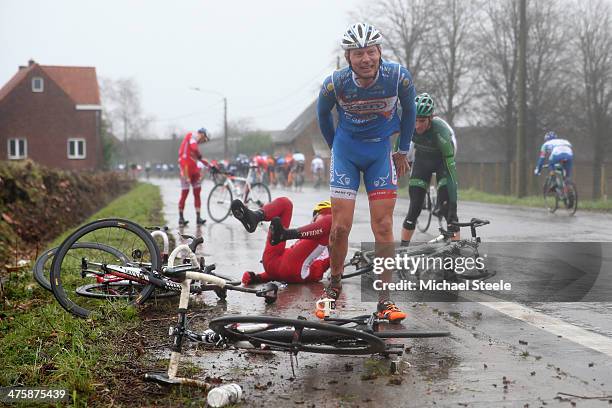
[80,83]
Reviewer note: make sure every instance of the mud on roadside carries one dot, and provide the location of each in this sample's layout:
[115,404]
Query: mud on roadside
[266,378]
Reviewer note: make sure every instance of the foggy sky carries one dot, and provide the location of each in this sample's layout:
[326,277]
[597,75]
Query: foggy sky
[268,57]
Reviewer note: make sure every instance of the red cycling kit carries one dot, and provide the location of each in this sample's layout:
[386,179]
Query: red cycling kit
[188,157]
[306,260]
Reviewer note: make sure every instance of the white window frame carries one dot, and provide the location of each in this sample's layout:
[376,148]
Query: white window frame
[42,84]
[76,141]
[18,156]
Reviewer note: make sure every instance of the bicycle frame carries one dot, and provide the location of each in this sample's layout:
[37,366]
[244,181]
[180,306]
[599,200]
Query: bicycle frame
[186,276]
[231,179]
[364,260]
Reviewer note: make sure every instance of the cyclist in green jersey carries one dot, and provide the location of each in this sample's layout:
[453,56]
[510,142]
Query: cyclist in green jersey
[434,153]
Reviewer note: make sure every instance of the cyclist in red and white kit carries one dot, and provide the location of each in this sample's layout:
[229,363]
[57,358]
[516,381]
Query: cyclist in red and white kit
[306,260]
[188,157]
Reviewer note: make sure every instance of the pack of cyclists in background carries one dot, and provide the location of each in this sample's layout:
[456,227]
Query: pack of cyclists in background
[284,170]
[558,152]
[317,168]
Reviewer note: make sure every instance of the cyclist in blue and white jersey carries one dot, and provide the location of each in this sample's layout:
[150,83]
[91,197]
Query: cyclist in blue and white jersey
[558,151]
[366,95]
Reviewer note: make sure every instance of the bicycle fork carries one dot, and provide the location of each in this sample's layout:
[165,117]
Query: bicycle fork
[178,333]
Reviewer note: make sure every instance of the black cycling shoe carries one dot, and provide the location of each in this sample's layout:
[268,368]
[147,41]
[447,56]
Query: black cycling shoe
[200,221]
[247,217]
[182,222]
[277,231]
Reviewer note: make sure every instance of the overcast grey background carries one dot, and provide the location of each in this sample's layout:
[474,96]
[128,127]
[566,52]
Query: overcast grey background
[268,57]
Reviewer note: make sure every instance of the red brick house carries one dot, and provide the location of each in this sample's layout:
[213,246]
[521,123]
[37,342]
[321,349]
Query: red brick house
[51,115]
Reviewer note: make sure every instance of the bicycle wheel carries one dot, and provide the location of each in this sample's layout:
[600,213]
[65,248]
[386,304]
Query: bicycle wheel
[424,218]
[259,195]
[388,332]
[219,202]
[295,335]
[117,290]
[42,267]
[571,201]
[75,266]
[551,200]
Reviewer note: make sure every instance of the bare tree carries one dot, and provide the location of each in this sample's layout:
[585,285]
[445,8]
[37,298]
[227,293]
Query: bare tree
[452,55]
[123,108]
[123,111]
[407,26]
[548,82]
[498,62]
[593,45]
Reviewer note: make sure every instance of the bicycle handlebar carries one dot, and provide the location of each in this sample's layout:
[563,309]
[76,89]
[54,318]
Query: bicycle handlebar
[194,241]
[179,272]
[157,228]
[206,278]
[474,222]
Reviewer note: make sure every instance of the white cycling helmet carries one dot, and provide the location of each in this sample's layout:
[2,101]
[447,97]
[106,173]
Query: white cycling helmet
[360,35]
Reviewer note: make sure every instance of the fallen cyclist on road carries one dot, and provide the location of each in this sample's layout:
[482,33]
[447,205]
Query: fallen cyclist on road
[305,261]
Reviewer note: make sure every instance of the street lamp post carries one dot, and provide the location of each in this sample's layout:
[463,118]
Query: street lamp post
[225,156]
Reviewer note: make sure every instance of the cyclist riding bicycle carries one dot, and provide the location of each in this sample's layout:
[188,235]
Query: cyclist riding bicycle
[261,163]
[317,167]
[271,170]
[299,161]
[188,157]
[559,152]
[434,153]
[366,95]
[306,260]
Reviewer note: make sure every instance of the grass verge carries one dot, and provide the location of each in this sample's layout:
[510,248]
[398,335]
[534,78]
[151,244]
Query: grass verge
[530,201]
[42,345]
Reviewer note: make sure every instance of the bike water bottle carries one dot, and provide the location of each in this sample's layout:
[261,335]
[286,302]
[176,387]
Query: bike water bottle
[224,395]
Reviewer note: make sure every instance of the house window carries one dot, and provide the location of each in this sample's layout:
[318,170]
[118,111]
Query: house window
[38,84]
[76,148]
[17,149]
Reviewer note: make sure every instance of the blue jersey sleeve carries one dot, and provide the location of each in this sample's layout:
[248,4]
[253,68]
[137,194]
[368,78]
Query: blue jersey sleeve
[406,94]
[325,104]
[541,158]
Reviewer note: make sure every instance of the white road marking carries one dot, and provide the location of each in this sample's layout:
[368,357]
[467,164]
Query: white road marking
[542,321]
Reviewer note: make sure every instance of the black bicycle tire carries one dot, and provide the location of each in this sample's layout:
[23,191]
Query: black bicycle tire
[429,210]
[56,283]
[572,186]
[390,334]
[548,195]
[268,194]
[229,190]
[38,269]
[85,291]
[320,332]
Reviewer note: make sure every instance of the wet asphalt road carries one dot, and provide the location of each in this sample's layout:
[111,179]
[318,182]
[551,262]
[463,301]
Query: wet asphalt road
[511,354]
